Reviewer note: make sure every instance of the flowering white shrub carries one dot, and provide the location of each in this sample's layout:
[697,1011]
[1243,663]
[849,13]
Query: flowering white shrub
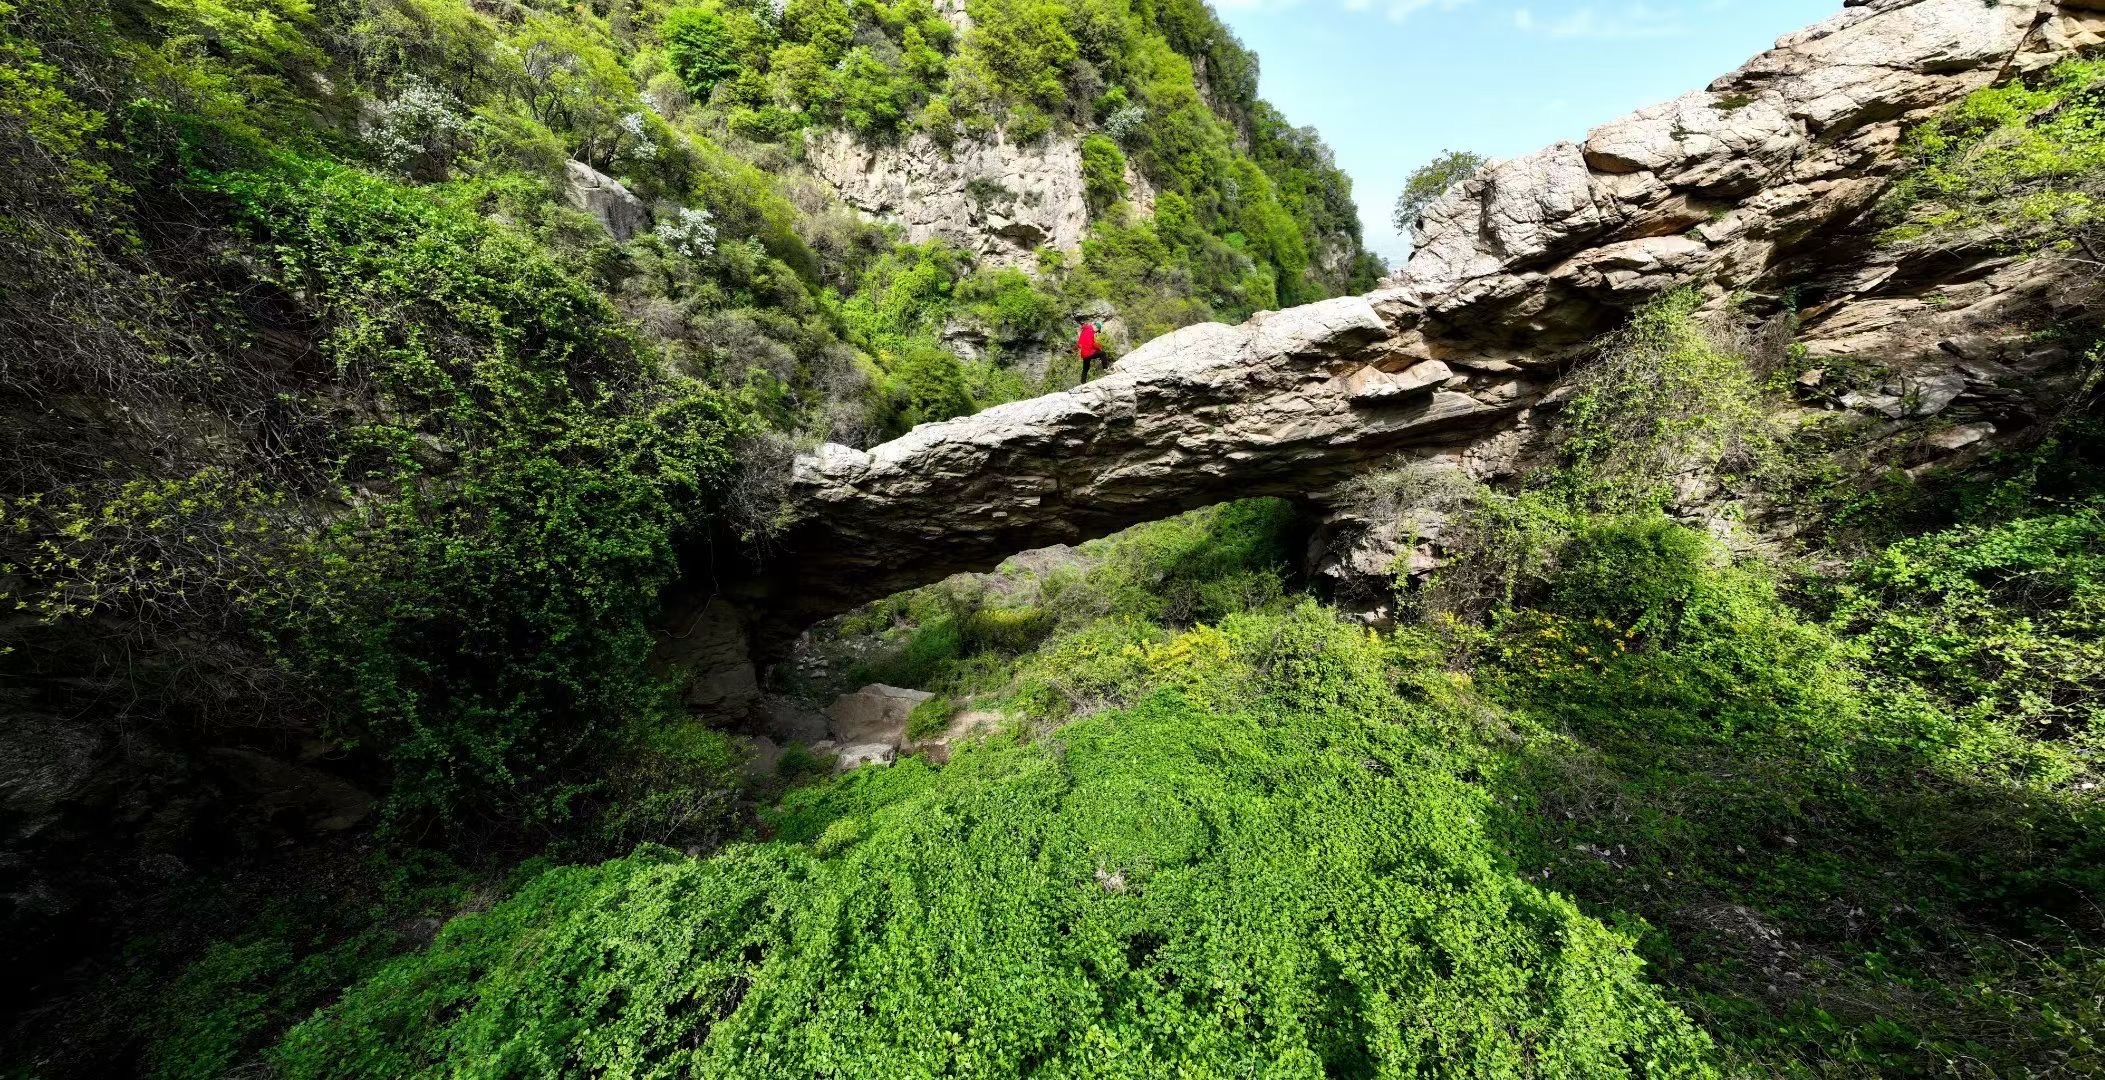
[1125,121]
[692,233]
[418,133]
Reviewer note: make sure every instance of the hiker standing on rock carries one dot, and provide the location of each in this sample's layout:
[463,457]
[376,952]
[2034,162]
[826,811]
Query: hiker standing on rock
[1085,345]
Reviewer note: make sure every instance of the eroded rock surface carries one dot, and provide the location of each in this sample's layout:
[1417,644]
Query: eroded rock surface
[1717,187]
[1207,412]
[622,214]
[994,198]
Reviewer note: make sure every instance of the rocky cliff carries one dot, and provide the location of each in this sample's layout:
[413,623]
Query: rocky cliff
[991,197]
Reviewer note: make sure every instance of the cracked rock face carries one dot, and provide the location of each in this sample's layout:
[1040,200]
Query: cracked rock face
[1758,181]
[994,198]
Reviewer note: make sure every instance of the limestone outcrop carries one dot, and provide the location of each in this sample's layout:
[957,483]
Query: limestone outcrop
[1757,183]
[1275,406]
[995,198]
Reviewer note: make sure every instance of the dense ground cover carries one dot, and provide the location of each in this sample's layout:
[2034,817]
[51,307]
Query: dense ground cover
[1651,821]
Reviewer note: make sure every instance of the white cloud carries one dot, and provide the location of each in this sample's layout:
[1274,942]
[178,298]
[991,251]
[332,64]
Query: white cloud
[1624,21]
[1399,10]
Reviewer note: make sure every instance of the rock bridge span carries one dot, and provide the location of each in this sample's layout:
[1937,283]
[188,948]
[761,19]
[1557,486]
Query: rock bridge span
[1758,182]
[1285,404]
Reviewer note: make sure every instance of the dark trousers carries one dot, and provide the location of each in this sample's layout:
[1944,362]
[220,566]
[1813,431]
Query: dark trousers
[1091,358]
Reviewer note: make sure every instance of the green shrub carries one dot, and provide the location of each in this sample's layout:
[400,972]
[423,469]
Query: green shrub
[1997,621]
[930,718]
[1011,630]
[1663,398]
[2014,164]
[243,994]
[673,782]
[825,25]
[798,762]
[1430,181]
[1637,574]
[480,621]
[701,47]
[1025,48]
[926,383]
[1103,173]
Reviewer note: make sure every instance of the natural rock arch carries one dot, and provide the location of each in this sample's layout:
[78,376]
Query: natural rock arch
[1755,181]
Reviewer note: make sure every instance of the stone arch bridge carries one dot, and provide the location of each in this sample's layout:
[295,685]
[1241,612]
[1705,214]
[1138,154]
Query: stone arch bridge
[1756,183]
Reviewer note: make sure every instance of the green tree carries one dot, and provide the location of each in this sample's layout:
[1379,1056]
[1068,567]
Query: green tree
[576,85]
[823,24]
[1431,181]
[1024,46]
[701,47]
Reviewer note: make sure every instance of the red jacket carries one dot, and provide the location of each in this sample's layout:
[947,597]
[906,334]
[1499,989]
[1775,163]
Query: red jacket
[1086,343]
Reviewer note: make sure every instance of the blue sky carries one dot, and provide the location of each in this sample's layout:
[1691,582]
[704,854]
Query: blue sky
[1391,83]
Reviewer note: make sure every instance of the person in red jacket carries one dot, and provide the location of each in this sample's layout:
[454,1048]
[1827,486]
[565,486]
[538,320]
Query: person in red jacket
[1085,345]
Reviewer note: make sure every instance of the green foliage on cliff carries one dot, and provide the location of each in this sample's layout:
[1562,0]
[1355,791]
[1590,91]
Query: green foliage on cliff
[1034,68]
[2014,165]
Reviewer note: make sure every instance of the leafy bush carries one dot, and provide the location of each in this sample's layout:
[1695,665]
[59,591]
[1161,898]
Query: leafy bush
[1636,574]
[1430,181]
[700,46]
[1664,398]
[1024,47]
[1103,173]
[1998,621]
[488,613]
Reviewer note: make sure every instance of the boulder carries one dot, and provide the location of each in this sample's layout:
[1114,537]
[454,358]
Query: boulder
[789,721]
[623,215]
[860,754]
[874,714]
[710,648]
[1958,438]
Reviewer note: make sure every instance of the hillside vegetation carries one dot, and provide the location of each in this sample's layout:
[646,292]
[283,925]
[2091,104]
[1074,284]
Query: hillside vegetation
[345,463]
[344,457]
